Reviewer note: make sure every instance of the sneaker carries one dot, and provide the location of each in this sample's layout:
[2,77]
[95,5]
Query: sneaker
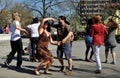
[69,72]
[113,62]
[6,64]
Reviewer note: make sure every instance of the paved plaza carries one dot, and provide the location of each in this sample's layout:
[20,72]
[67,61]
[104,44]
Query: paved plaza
[81,68]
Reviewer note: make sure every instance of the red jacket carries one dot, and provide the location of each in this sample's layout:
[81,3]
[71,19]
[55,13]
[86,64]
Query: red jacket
[98,33]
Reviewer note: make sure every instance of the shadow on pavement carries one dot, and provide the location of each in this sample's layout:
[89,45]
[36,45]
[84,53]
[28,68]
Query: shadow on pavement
[32,67]
[22,70]
[74,69]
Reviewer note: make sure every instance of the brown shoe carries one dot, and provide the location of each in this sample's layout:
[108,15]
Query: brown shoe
[69,72]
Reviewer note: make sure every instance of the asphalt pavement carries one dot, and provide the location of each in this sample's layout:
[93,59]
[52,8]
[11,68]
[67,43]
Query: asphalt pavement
[81,68]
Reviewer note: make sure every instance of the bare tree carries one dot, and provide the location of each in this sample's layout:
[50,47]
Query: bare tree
[5,4]
[75,4]
[25,14]
[43,7]
[4,11]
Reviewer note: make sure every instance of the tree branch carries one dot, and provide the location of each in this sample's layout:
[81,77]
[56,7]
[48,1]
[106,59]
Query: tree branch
[54,4]
[37,11]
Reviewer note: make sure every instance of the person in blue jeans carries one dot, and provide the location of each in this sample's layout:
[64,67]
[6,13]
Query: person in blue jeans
[34,36]
[65,36]
[88,41]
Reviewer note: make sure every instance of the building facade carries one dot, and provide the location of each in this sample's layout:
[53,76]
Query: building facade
[118,22]
[89,8]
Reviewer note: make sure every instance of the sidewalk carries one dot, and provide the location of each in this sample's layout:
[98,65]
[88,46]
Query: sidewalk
[4,37]
[81,68]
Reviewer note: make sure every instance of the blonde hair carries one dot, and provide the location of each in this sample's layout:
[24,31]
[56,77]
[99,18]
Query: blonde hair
[15,16]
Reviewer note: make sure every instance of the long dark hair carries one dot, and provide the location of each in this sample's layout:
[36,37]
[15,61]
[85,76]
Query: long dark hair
[64,18]
[35,20]
[89,26]
[89,22]
[49,26]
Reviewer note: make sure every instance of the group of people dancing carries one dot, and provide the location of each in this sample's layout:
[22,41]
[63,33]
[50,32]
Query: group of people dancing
[40,41]
[94,38]
[97,34]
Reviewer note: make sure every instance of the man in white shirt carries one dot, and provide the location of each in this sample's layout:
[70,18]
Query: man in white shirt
[33,28]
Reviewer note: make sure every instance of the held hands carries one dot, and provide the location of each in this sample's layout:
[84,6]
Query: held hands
[25,31]
[59,43]
[63,41]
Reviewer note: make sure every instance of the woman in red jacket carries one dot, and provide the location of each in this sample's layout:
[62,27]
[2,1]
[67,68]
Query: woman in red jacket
[98,32]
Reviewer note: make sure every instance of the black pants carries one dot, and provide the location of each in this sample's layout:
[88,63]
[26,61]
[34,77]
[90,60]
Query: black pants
[16,46]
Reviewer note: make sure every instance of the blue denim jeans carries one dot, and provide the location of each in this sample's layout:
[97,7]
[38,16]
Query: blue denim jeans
[66,49]
[34,41]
